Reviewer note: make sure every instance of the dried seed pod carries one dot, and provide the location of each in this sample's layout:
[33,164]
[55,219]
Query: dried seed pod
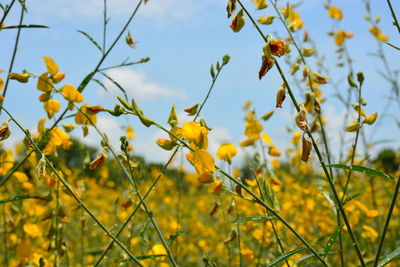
[306,148]
[280,96]
[301,119]
[215,208]
[231,237]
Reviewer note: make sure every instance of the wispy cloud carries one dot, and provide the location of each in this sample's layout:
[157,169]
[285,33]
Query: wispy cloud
[137,85]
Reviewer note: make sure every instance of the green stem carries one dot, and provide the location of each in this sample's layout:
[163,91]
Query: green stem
[393,15]
[71,191]
[6,11]
[5,263]
[387,221]
[137,208]
[14,54]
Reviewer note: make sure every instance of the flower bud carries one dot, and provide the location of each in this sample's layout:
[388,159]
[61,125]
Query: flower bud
[98,161]
[41,167]
[301,119]
[5,131]
[280,96]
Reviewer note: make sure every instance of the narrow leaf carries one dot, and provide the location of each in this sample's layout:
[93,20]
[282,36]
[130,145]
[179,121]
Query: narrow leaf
[395,47]
[254,218]
[25,26]
[358,168]
[172,237]
[284,257]
[144,257]
[266,195]
[91,40]
[116,84]
[331,240]
[306,257]
[143,231]
[85,81]
[16,198]
[392,255]
[101,84]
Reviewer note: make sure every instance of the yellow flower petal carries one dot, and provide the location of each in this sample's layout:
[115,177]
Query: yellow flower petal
[71,94]
[226,152]
[52,107]
[51,66]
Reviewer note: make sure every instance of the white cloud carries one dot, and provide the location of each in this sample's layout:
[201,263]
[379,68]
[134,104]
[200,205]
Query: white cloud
[165,11]
[137,85]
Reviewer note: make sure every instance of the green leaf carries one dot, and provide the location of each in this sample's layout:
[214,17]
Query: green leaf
[395,47]
[266,195]
[351,197]
[309,256]
[25,26]
[16,198]
[144,257]
[392,255]
[172,237]
[254,218]
[85,81]
[91,39]
[358,168]
[143,231]
[284,257]
[332,240]
[101,84]
[116,84]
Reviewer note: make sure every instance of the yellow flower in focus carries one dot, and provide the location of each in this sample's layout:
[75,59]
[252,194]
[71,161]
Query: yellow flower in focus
[57,138]
[51,66]
[371,118]
[71,94]
[44,84]
[52,107]
[194,132]
[90,117]
[226,152]
[335,13]
[376,31]
[204,164]
[21,77]
[32,230]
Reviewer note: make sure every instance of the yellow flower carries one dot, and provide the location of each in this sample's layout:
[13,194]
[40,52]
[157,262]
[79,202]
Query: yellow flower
[1,83]
[266,20]
[273,151]
[277,47]
[261,4]
[194,132]
[341,35]
[52,107]
[371,118]
[376,31]
[335,13]
[90,117]
[7,159]
[51,66]
[21,77]
[352,127]
[69,127]
[369,232]
[204,164]
[247,142]
[265,137]
[253,129]
[165,144]
[32,230]
[71,94]
[57,138]
[293,17]
[5,131]
[226,152]
[130,133]
[44,83]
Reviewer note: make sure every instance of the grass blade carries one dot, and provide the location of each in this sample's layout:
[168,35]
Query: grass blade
[331,240]
[358,168]
[255,218]
[144,257]
[25,26]
[284,257]
[16,198]
[91,40]
[392,255]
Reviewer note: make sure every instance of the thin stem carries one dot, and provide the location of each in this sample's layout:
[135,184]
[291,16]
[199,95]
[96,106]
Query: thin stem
[396,23]
[71,191]
[57,223]
[5,241]
[355,144]
[387,221]
[14,53]
[82,86]
[137,208]
[6,11]
[104,25]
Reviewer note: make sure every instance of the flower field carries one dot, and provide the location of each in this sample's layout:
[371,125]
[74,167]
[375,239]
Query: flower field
[315,197]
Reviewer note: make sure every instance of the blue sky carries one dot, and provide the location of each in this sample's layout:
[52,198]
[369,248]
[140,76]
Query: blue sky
[183,38]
